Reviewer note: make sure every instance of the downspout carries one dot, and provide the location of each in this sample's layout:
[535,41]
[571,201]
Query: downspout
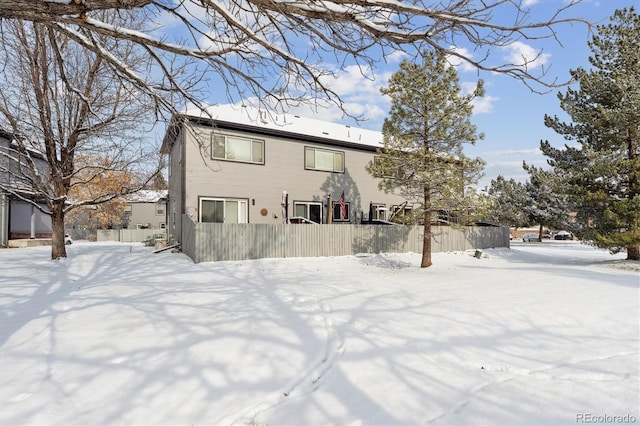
[33,222]
[4,220]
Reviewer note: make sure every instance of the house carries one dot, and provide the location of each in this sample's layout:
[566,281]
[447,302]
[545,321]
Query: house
[243,165]
[19,217]
[146,209]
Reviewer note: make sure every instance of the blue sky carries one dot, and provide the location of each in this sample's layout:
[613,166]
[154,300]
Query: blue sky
[510,115]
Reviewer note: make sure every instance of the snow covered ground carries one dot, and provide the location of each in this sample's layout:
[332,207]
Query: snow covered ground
[116,335]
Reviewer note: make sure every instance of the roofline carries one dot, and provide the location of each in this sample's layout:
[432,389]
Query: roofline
[173,131]
[14,145]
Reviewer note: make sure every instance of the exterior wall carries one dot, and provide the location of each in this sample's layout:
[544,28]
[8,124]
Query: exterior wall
[283,170]
[4,219]
[175,204]
[4,198]
[19,219]
[147,214]
[26,221]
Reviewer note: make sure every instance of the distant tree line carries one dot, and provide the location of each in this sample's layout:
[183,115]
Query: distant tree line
[592,185]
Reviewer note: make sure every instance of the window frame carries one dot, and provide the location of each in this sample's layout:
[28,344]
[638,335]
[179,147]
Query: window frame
[224,200]
[307,204]
[226,150]
[336,212]
[406,211]
[376,212]
[324,150]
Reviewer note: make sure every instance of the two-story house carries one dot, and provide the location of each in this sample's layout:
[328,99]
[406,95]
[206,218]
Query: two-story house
[146,209]
[19,217]
[244,165]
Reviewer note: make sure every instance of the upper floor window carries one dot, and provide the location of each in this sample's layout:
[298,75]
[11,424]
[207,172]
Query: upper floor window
[235,148]
[323,159]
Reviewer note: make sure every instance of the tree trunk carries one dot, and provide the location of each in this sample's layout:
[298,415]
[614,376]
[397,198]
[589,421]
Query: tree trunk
[58,248]
[426,241]
[633,253]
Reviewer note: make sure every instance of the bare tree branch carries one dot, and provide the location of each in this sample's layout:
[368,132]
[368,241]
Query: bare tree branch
[279,49]
[63,102]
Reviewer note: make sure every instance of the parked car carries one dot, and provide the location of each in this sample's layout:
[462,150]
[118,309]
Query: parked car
[67,239]
[532,237]
[563,235]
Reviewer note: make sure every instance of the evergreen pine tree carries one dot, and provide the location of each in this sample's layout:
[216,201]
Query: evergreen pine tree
[601,173]
[509,201]
[423,159]
[546,204]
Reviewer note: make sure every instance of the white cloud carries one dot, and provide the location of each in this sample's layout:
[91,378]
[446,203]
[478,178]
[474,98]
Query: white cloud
[396,57]
[481,105]
[521,55]
[360,92]
[458,63]
[514,152]
[484,104]
[353,81]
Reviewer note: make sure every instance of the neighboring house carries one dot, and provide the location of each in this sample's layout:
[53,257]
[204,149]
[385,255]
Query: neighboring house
[146,209]
[243,165]
[18,217]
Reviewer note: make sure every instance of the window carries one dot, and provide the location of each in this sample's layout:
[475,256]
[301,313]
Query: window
[235,148]
[159,210]
[223,210]
[308,210]
[336,212]
[378,211]
[401,213]
[323,159]
[163,225]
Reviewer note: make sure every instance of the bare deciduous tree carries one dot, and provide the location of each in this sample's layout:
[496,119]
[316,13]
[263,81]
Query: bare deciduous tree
[278,51]
[61,103]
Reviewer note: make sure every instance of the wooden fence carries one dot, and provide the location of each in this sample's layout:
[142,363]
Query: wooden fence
[210,242]
[129,235]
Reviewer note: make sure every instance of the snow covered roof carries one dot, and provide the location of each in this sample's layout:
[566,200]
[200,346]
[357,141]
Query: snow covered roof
[264,120]
[147,196]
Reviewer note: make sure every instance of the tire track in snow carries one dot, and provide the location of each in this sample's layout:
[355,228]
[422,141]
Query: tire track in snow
[310,379]
[543,373]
